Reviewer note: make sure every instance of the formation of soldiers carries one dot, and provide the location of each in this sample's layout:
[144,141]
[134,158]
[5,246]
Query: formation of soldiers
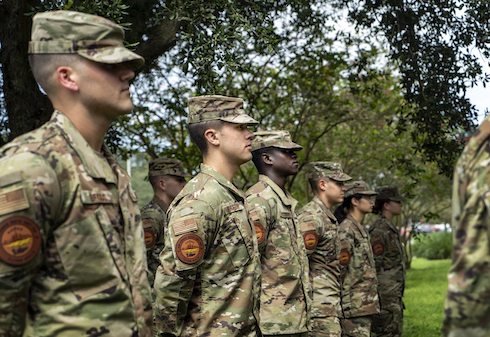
[203,258]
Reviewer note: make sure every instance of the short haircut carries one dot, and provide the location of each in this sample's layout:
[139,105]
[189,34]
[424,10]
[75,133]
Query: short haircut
[197,131]
[154,181]
[257,158]
[44,67]
[314,183]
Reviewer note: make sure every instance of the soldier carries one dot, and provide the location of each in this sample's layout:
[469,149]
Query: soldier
[389,257]
[320,232]
[285,300]
[359,283]
[209,278]
[467,308]
[72,255]
[167,177]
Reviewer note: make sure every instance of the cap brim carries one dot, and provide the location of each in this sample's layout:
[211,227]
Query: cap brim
[400,198]
[240,119]
[342,177]
[368,193]
[290,146]
[114,55]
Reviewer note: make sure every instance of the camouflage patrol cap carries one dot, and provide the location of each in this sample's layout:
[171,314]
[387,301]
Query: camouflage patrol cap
[216,107]
[90,36]
[389,193]
[321,169]
[277,138]
[358,187]
[166,166]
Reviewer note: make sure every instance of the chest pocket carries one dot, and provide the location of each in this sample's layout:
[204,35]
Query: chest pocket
[88,249]
[236,237]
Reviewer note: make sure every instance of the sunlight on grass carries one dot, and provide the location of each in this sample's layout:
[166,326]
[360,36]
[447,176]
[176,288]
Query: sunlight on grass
[425,291]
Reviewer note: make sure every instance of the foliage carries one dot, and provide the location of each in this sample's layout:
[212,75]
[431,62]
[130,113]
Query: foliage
[433,246]
[425,290]
[433,44]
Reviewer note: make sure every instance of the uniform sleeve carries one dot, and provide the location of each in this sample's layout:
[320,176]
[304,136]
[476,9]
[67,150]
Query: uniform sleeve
[260,213]
[378,243]
[191,230]
[29,202]
[310,230]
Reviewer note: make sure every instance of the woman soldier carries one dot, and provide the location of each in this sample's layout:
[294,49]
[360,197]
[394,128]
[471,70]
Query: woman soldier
[389,256]
[359,283]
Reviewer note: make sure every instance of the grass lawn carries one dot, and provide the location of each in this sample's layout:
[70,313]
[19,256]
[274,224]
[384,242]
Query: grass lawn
[425,291]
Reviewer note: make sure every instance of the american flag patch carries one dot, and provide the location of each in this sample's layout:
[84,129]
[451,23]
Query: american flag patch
[185,226]
[13,201]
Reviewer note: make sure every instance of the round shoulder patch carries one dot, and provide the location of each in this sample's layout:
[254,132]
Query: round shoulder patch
[311,240]
[378,248]
[344,257]
[150,237]
[189,248]
[20,240]
[260,231]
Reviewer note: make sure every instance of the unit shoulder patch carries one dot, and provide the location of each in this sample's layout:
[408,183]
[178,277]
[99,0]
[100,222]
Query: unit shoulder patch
[189,248]
[344,257]
[378,248]
[311,240]
[150,237]
[20,240]
[260,232]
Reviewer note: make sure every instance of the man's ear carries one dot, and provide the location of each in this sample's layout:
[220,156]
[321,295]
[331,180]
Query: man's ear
[161,184]
[67,77]
[323,184]
[212,136]
[267,158]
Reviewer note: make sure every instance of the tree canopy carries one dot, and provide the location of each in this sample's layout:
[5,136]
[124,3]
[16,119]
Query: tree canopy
[288,59]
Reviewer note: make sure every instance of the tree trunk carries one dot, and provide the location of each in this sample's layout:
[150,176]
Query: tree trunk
[26,106]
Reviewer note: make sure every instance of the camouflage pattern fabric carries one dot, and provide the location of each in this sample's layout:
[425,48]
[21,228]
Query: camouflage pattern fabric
[356,326]
[325,327]
[319,228]
[209,280]
[216,107]
[277,138]
[72,255]
[90,36]
[322,169]
[166,166]
[467,308]
[285,300]
[389,256]
[359,281]
[154,218]
[389,322]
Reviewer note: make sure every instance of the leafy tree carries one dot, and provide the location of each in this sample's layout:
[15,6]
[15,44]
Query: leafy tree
[433,43]
[202,38]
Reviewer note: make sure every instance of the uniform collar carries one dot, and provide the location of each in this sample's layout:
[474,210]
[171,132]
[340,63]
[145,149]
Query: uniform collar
[206,169]
[286,197]
[389,223]
[160,203]
[325,209]
[91,162]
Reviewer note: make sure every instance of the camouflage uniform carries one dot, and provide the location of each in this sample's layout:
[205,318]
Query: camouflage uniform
[83,268]
[72,255]
[467,308]
[154,215]
[209,279]
[319,228]
[389,257]
[359,282]
[285,300]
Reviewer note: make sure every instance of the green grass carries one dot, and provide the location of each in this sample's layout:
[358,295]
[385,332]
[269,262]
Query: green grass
[425,291]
